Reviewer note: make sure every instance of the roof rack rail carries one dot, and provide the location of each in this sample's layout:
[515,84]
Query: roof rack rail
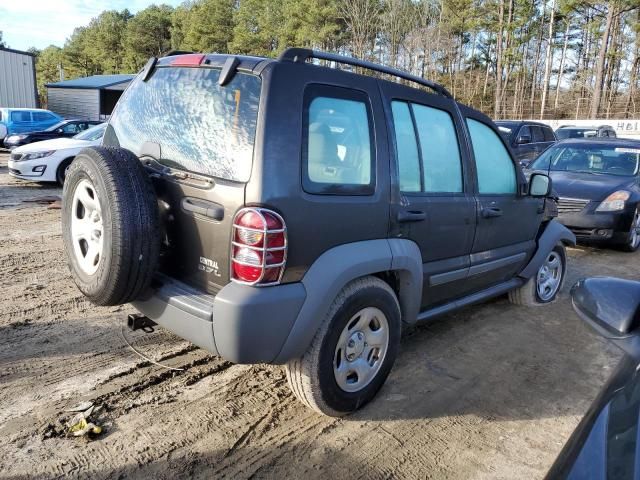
[301,55]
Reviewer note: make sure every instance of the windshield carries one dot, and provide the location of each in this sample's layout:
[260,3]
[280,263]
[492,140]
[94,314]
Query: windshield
[563,133]
[93,133]
[199,125]
[57,125]
[589,158]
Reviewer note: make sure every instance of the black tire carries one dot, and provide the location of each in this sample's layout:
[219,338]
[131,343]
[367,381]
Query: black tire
[129,221]
[61,172]
[312,377]
[632,243]
[527,295]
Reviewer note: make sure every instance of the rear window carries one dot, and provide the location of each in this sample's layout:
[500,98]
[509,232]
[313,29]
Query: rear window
[200,126]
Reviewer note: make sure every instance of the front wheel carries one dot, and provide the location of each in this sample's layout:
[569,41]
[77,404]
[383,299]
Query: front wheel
[633,238]
[545,285]
[352,353]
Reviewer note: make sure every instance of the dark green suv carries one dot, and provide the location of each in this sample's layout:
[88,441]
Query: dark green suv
[285,212]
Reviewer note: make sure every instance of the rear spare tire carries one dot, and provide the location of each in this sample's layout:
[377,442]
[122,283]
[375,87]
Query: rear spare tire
[110,225]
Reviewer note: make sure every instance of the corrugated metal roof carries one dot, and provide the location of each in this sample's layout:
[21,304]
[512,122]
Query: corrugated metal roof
[94,82]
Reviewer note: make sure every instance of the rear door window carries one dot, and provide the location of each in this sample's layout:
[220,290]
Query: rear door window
[200,126]
[338,153]
[427,149]
[537,135]
[20,116]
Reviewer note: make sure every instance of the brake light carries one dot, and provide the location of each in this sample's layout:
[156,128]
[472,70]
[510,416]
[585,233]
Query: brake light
[188,60]
[258,247]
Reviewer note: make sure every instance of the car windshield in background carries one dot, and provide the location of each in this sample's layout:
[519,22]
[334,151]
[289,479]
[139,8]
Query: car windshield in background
[92,134]
[57,125]
[200,126]
[589,158]
[563,133]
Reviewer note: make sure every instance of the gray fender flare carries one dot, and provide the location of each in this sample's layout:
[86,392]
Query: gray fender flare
[338,266]
[553,234]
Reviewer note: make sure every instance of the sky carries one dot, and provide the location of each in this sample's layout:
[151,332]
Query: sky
[40,23]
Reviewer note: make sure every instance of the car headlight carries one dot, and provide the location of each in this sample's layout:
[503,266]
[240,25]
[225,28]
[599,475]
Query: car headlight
[36,155]
[614,202]
[15,138]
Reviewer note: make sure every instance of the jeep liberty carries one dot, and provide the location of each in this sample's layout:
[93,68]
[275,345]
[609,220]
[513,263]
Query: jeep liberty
[289,212]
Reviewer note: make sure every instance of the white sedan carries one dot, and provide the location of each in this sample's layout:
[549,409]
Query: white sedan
[48,161]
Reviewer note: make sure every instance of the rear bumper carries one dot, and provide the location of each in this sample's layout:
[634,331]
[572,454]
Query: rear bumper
[242,324]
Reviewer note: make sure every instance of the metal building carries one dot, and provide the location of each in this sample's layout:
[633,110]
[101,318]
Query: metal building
[18,87]
[91,98]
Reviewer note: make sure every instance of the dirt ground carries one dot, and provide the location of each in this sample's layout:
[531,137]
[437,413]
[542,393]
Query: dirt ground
[492,391]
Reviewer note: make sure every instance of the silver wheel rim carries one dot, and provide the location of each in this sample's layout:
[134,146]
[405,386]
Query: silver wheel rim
[635,230]
[549,277]
[361,349]
[86,227]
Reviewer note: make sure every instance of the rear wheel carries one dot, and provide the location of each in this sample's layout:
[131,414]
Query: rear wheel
[352,353]
[545,285]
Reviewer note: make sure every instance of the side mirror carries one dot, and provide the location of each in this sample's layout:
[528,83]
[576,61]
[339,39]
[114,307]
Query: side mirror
[611,306]
[539,185]
[523,139]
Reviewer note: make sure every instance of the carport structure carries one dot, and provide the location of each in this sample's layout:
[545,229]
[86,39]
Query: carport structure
[91,98]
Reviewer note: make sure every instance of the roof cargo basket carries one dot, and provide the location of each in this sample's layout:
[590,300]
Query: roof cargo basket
[301,55]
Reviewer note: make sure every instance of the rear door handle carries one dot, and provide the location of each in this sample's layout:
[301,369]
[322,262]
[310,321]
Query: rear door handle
[491,212]
[411,216]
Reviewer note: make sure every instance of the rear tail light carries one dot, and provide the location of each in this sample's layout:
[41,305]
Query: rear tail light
[188,60]
[258,247]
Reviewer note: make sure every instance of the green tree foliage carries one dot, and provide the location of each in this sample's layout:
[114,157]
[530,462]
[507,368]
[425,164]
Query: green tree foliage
[2,43]
[147,34]
[509,58]
[208,26]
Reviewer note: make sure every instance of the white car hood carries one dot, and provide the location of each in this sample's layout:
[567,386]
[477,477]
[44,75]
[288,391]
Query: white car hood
[55,144]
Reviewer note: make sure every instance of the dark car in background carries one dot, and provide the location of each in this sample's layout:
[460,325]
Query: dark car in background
[597,182]
[64,129]
[605,444]
[526,139]
[570,131]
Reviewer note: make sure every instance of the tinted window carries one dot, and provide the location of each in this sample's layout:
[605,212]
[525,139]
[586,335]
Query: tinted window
[338,154]
[548,134]
[199,125]
[407,148]
[20,116]
[72,128]
[442,169]
[43,117]
[496,171]
[536,134]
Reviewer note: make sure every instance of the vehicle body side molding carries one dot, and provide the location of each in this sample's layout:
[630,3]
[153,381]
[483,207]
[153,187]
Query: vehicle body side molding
[338,266]
[553,234]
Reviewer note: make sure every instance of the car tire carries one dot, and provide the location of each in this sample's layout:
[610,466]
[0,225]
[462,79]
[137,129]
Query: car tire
[110,225]
[343,369]
[61,172]
[552,272]
[633,237]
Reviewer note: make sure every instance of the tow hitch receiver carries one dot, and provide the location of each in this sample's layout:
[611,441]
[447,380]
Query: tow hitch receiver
[135,321]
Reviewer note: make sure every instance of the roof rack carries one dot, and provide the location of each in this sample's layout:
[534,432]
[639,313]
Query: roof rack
[301,55]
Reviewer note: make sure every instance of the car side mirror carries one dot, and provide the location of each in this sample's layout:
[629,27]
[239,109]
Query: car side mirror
[523,139]
[611,306]
[539,185]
